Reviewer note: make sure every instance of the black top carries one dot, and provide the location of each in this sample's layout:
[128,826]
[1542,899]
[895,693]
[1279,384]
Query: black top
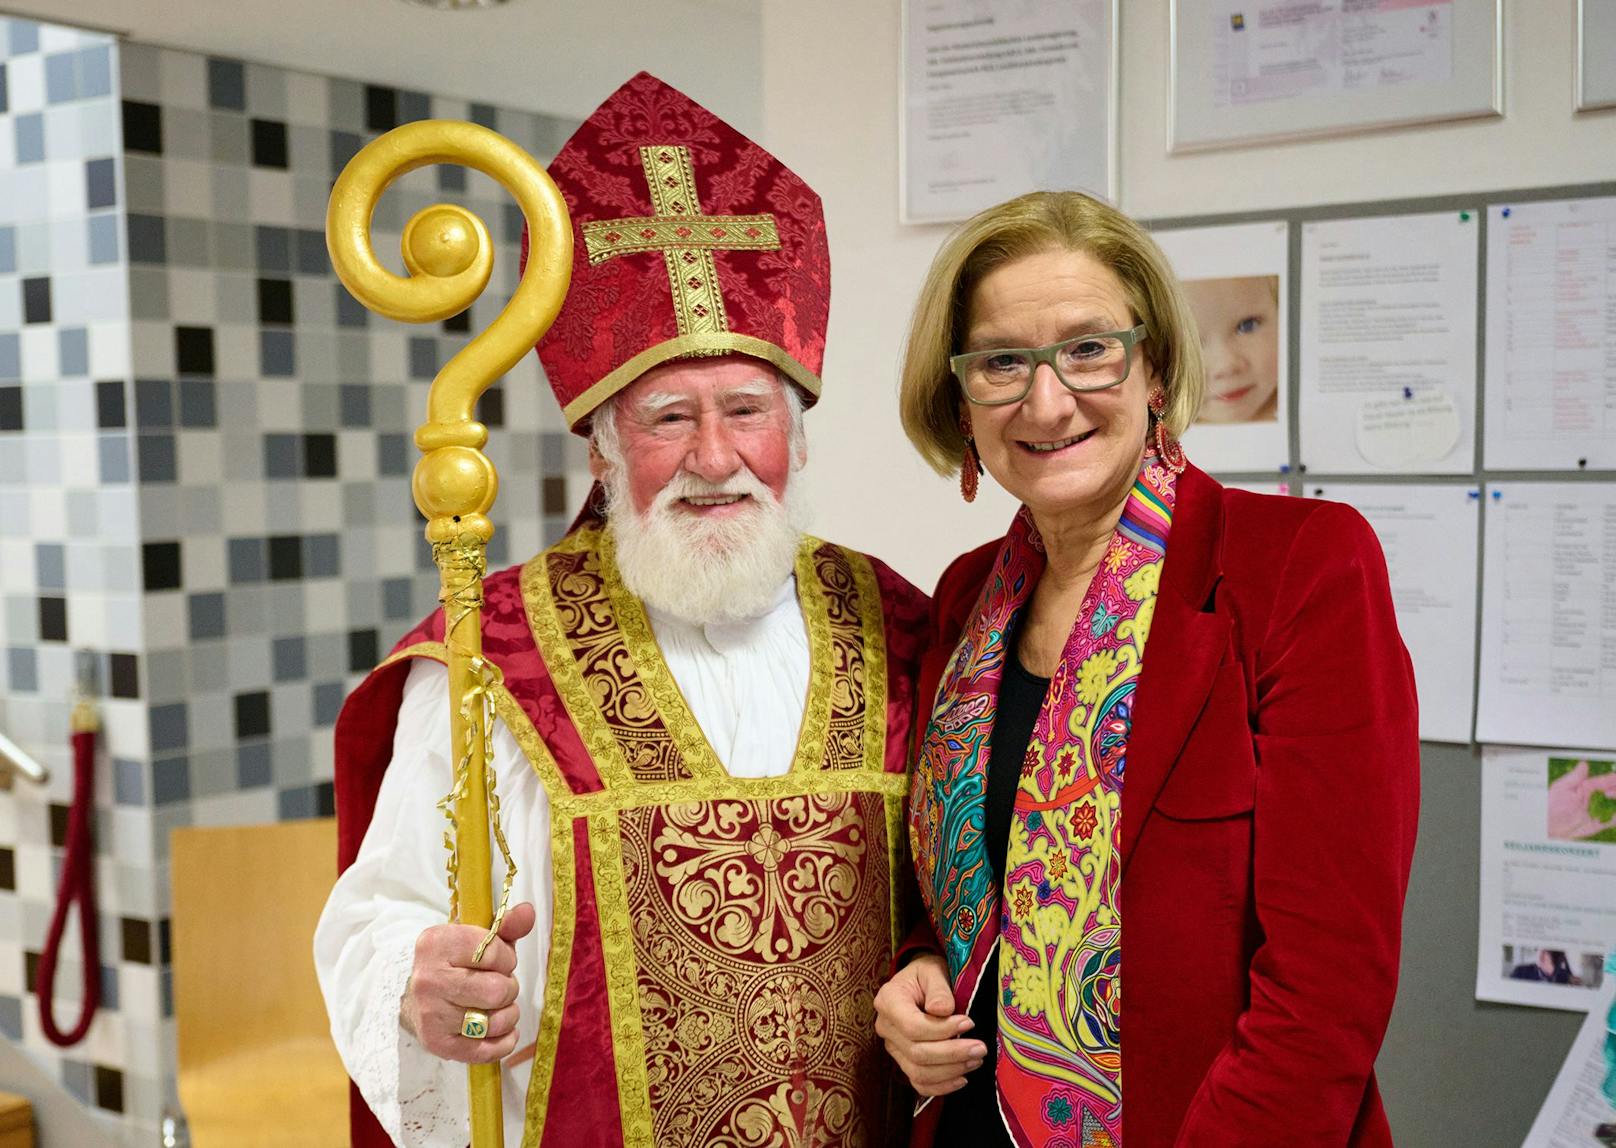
[971,1116]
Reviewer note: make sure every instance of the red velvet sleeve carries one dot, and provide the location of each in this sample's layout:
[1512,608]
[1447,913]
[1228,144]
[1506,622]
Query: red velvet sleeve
[1337,745]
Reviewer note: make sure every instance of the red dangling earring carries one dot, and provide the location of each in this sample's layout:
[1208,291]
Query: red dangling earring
[1168,448]
[970,465]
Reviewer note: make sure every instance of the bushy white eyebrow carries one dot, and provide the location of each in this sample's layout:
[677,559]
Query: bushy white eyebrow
[654,403]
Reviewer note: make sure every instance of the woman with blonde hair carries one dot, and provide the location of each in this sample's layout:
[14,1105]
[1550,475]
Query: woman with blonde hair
[1247,881]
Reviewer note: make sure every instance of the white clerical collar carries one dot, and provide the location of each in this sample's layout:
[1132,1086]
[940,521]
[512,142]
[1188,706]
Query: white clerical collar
[726,636]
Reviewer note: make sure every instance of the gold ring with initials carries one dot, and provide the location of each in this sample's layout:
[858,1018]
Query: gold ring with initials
[475,1024]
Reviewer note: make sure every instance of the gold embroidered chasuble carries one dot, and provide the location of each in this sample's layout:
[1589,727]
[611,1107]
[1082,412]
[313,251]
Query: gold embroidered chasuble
[717,940]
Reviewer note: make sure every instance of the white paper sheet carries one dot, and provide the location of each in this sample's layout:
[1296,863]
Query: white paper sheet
[1388,344]
[1281,51]
[1577,1105]
[1548,877]
[1237,280]
[1548,622]
[1003,97]
[1551,335]
[1429,535]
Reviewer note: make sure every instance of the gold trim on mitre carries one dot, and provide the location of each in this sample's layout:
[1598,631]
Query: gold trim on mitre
[691,346]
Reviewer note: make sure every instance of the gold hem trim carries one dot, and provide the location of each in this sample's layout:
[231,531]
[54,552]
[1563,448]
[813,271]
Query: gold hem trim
[622,980]
[686,346]
[563,926]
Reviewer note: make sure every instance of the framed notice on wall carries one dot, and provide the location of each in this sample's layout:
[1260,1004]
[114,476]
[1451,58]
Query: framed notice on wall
[1253,70]
[1002,97]
[1596,54]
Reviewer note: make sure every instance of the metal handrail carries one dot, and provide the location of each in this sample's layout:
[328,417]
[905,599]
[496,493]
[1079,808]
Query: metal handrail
[12,755]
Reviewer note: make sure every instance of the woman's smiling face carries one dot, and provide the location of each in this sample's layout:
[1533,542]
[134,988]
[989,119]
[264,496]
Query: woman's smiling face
[1055,450]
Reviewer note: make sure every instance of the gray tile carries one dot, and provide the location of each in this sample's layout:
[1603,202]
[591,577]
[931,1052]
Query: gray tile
[283,456]
[228,139]
[167,675]
[320,400]
[128,782]
[234,299]
[143,184]
[112,451]
[73,351]
[22,668]
[347,101]
[308,148]
[297,803]
[286,614]
[253,770]
[83,515]
[197,404]
[50,566]
[170,727]
[30,137]
[227,84]
[354,404]
[423,357]
[248,560]
[154,403]
[328,655]
[188,242]
[171,780]
[232,242]
[61,78]
[350,313]
[210,665]
[327,702]
[266,91]
[95,72]
[207,616]
[213,773]
[103,239]
[148,238]
[277,356]
[10,355]
[100,184]
[8,249]
[290,658]
[186,133]
[358,504]
[77,1077]
[312,256]
[274,248]
[248,609]
[342,147]
[157,462]
[414,106]
[322,556]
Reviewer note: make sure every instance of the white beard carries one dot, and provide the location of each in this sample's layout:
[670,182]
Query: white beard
[705,570]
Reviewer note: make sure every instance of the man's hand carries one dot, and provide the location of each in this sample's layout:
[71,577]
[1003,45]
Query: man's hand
[914,1014]
[445,983]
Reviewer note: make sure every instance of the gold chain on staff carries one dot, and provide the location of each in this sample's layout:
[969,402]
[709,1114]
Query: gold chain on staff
[463,564]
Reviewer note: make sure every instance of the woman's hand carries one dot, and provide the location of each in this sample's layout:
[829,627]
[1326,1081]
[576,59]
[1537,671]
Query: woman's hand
[914,1014]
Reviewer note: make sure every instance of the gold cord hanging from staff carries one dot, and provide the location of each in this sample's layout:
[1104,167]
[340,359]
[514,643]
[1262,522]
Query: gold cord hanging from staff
[450,258]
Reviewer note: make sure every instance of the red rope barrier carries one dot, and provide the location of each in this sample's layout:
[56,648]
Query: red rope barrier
[78,884]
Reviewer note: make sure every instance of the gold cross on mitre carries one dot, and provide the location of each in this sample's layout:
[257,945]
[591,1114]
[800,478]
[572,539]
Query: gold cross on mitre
[686,238]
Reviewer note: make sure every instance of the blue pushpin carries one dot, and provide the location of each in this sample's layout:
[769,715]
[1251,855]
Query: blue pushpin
[1284,468]
[1498,495]
[1475,496]
[1408,392]
[1505,212]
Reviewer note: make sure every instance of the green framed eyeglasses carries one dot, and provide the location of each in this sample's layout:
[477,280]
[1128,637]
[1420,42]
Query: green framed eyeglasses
[1083,364]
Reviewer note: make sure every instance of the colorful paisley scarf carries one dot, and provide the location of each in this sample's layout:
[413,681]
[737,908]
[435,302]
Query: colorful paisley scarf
[1056,921]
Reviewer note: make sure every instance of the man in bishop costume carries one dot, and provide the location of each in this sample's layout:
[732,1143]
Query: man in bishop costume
[701,749]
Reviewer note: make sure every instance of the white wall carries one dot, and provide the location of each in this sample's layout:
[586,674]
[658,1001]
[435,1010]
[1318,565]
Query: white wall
[830,110]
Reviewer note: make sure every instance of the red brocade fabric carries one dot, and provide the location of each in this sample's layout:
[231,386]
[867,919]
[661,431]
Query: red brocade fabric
[581,1065]
[773,276]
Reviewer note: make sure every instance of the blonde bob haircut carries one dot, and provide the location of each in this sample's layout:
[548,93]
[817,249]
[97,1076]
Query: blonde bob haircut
[929,397]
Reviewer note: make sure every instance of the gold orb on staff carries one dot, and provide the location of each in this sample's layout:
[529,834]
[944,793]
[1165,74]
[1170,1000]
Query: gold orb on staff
[450,258]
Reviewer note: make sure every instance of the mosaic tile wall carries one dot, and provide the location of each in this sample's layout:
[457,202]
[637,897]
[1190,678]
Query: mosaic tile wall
[204,476]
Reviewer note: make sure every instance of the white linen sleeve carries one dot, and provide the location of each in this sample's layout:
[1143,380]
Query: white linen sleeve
[364,944]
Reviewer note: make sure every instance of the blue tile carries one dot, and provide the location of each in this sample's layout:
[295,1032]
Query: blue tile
[277,354]
[198,407]
[11,1018]
[61,78]
[171,780]
[227,84]
[322,556]
[8,249]
[5,97]
[291,659]
[109,987]
[22,669]
[396,598]
[128,782]
[10,355]
[95,72]
[24,37]
[103,239]
[30,130]
[170,727]
[207,616]
[100,184]
[73,351]
[283,456]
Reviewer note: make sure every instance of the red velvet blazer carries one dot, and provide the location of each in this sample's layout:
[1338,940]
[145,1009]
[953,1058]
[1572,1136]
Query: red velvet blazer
[1268,822]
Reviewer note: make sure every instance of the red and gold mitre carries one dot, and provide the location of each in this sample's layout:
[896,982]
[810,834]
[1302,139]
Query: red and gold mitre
[688,240]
